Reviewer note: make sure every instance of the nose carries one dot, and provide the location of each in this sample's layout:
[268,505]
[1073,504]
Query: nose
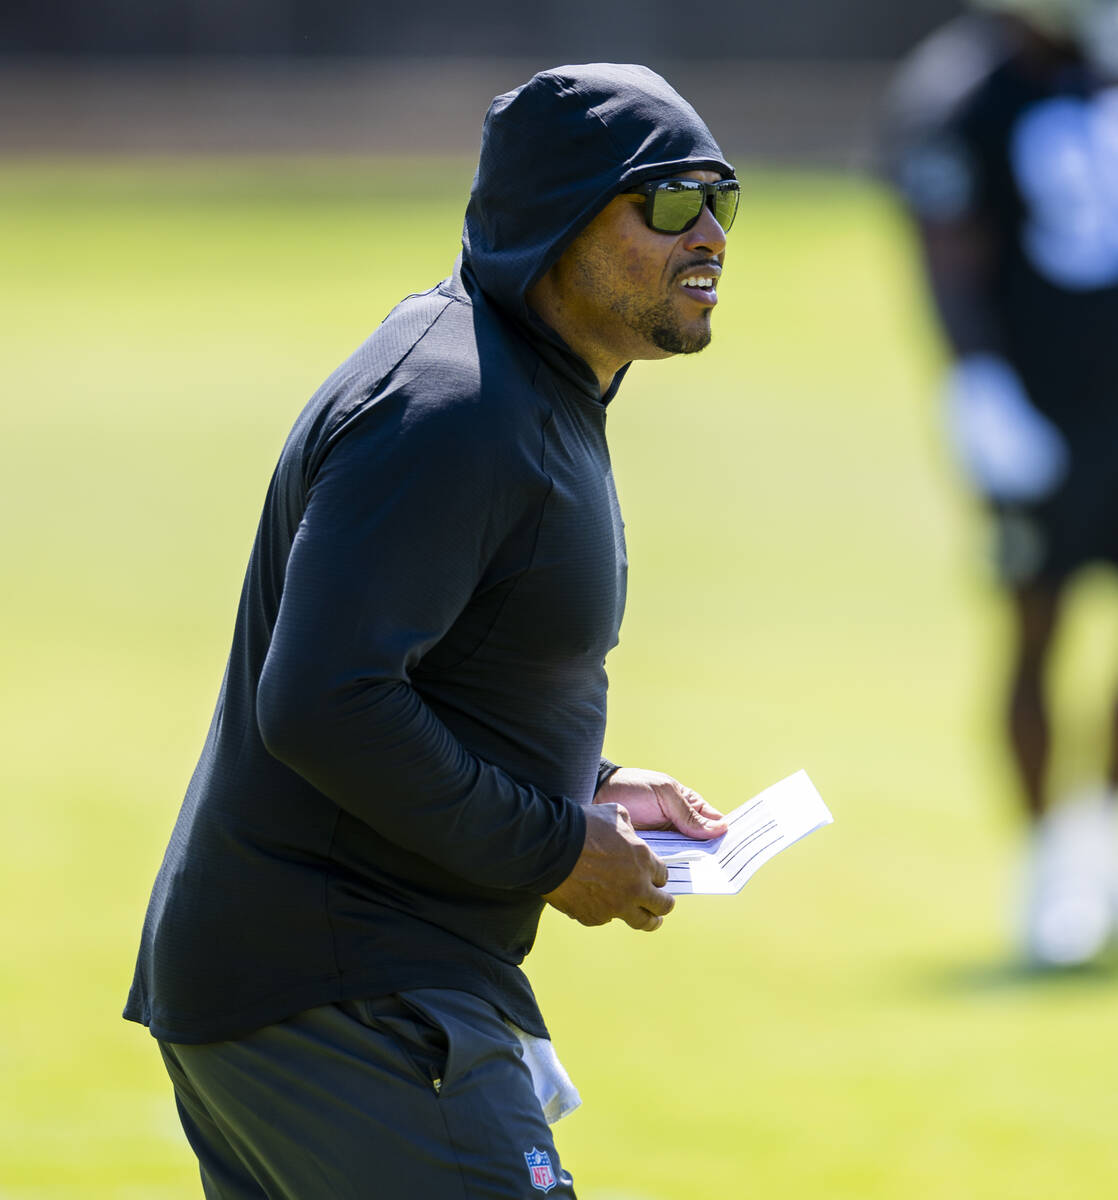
[706,234]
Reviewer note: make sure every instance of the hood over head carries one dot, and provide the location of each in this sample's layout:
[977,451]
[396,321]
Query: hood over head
[555,151]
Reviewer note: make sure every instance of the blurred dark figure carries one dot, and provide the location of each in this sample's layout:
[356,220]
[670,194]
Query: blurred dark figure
[1002,140]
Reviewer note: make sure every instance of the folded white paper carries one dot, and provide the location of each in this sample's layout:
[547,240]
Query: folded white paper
[758,829]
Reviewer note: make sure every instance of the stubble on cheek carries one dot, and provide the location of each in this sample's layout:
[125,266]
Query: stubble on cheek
[655,309]
[642,299]
[662,320]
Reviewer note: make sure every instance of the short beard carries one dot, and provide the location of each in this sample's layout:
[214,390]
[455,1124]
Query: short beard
[661,327]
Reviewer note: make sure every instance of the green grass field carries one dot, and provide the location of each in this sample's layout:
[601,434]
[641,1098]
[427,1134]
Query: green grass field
[806,590]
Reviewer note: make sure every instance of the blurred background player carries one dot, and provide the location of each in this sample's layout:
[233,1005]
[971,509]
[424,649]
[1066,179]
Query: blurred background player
[1002,140]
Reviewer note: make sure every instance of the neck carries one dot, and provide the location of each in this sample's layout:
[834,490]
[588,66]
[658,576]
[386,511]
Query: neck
[546,303]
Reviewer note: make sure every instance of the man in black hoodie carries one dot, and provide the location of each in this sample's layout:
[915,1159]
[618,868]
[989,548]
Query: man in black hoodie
[405,763]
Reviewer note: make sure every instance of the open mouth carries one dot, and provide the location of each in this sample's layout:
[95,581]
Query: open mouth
[701,285]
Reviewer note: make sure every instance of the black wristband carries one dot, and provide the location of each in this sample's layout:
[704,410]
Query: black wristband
[605,770]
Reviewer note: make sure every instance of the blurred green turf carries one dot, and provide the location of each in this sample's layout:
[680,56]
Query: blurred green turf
[805,591]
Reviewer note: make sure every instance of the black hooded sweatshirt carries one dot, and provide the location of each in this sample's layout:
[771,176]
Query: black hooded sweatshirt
[413,709]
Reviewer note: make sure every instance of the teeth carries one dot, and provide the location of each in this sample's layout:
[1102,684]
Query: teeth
[699,281]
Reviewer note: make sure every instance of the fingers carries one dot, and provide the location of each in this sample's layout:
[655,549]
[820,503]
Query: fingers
[706,810]
[655,903]
[643,920]
[689,813]
[649,915]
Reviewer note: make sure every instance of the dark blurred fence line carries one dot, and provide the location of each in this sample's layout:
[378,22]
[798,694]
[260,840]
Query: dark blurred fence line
[795,112]
[561,30]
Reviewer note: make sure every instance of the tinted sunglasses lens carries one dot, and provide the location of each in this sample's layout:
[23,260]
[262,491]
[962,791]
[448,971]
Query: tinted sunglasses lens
[675,206]
[726,205]
[677,203]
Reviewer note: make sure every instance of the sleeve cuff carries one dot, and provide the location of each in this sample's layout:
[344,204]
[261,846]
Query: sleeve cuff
[605,770]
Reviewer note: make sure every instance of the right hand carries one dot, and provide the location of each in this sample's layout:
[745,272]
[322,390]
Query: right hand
[616,875]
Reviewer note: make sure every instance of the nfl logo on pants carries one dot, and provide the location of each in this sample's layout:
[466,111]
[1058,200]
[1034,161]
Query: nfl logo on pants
[539,1168]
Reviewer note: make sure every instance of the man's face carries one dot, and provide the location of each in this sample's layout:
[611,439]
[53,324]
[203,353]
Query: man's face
[635,293]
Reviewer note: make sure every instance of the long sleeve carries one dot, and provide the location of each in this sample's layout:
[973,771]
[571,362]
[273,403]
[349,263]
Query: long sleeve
[402,516]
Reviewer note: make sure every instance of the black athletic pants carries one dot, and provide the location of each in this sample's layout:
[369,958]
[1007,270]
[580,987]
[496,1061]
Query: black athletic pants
[418,1096]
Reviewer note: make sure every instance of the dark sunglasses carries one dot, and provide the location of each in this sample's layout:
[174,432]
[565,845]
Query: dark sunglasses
[673,205]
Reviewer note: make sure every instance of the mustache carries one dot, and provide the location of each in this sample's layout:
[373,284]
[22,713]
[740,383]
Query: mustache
[705,266]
